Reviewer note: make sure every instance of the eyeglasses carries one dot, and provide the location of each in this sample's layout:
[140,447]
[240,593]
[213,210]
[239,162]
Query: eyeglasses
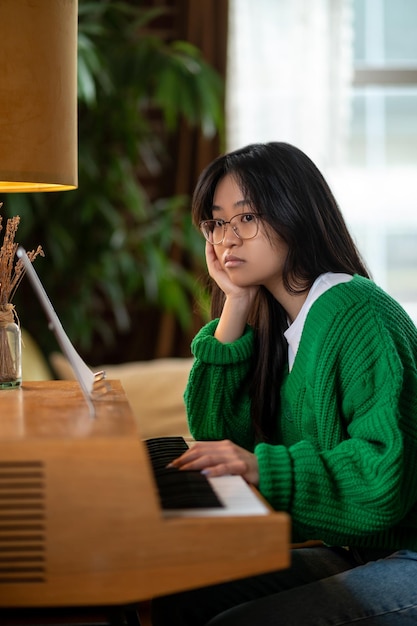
[244,226]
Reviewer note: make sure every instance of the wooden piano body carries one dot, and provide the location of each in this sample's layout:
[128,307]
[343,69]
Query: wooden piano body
[80,522]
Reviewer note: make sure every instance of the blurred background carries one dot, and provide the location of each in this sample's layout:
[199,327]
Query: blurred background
[164,87]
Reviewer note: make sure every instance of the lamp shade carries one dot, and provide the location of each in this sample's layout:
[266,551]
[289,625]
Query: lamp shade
[38,95]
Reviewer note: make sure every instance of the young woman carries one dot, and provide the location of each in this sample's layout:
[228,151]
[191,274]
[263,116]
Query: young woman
[304,383]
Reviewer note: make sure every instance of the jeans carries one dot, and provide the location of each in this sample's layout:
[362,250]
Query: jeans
[323,587]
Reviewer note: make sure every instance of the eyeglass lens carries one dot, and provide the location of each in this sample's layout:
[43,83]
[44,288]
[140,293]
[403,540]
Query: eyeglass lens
[244,225]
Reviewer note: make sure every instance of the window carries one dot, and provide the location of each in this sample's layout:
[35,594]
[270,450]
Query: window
[338,78]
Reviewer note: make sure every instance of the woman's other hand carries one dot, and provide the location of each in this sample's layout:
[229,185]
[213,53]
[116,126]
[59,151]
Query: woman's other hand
[218,458]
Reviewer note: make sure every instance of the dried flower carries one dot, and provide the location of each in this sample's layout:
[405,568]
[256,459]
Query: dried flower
[11,271]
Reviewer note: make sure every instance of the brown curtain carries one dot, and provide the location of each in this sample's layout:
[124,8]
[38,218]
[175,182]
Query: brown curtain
[204,23]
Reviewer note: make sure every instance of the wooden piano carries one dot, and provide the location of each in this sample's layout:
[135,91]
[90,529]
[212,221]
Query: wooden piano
[80,519]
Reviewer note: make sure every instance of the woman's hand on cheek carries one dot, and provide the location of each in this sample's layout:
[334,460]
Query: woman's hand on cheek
[217,458]
[221,277]
[216,270]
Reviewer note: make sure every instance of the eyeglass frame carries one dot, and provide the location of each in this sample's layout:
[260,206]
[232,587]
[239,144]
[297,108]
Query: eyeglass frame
[224,226]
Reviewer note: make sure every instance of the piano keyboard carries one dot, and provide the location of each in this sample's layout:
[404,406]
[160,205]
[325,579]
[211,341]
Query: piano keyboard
[178,489]
[188,493]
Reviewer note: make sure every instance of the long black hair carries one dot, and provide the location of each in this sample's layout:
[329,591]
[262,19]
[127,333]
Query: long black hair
[285,186]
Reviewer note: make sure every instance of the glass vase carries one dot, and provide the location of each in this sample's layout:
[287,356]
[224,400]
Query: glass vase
[10,356]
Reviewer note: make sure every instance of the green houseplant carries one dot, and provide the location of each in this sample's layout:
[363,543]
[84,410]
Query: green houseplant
[108,245]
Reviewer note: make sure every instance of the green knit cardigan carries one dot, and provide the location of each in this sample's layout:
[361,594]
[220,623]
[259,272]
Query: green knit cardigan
[344,460]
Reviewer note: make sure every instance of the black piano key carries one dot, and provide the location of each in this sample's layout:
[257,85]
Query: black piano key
[163,450]
[178,489]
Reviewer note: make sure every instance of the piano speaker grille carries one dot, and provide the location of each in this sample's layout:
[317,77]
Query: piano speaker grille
[22,522]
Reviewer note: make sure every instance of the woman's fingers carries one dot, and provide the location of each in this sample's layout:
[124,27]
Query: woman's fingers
[202,453]
[217,458]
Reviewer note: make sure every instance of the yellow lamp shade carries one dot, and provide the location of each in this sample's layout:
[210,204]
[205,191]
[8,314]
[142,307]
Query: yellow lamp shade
[38,95]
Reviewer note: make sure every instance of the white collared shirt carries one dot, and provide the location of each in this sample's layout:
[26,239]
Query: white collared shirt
[320,285]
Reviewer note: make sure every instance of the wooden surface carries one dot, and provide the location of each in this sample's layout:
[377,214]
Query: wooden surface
[80,522]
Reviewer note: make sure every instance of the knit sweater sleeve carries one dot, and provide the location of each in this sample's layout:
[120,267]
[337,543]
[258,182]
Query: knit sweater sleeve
[216,396]
[347,472]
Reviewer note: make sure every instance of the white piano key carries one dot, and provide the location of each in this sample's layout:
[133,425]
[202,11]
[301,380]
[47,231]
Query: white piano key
[236,495]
